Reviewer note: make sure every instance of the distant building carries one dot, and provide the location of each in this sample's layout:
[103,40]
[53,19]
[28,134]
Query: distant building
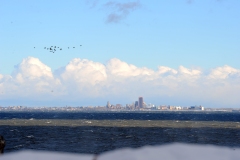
[162,107]
[136,104]
[196,108]
[118,106]
[178,108]
[140,102]
[108,104]
[172,107]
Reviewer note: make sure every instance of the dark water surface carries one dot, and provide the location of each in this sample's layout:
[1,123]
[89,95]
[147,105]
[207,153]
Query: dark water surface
[98,139]
[187,116]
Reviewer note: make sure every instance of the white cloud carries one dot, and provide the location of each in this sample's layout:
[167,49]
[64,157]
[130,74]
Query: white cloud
[190,72]
[84,71]
[31,68]
[118,68]
[84,80]
[223,72]
[166,70]
[29,79]
[1,76]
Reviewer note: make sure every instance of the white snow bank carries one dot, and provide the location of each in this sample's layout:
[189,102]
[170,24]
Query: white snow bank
[174,152]
[170,152]
[44,155]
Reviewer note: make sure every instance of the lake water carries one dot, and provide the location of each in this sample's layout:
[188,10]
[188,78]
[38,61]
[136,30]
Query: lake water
[96,132]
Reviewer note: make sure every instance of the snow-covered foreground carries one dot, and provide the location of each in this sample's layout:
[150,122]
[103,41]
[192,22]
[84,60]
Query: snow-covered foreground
[175,151]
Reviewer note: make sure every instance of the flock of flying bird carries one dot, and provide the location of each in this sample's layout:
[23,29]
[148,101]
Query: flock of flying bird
[53,49]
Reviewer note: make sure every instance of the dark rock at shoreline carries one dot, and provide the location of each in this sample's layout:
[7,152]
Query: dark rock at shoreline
[2,144]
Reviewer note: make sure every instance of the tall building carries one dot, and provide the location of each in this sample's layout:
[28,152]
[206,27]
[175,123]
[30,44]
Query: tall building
[140,102]
[108,104]
[136,104]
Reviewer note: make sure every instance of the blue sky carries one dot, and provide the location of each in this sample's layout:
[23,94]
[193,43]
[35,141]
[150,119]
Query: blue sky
[196,34]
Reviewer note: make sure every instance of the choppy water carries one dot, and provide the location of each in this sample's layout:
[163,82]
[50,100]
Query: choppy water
[187,116]
[99,138]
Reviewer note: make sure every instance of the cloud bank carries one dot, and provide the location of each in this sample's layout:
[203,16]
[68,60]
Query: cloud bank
[83,82]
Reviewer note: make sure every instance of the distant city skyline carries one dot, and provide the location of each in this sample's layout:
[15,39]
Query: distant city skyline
[176,52]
